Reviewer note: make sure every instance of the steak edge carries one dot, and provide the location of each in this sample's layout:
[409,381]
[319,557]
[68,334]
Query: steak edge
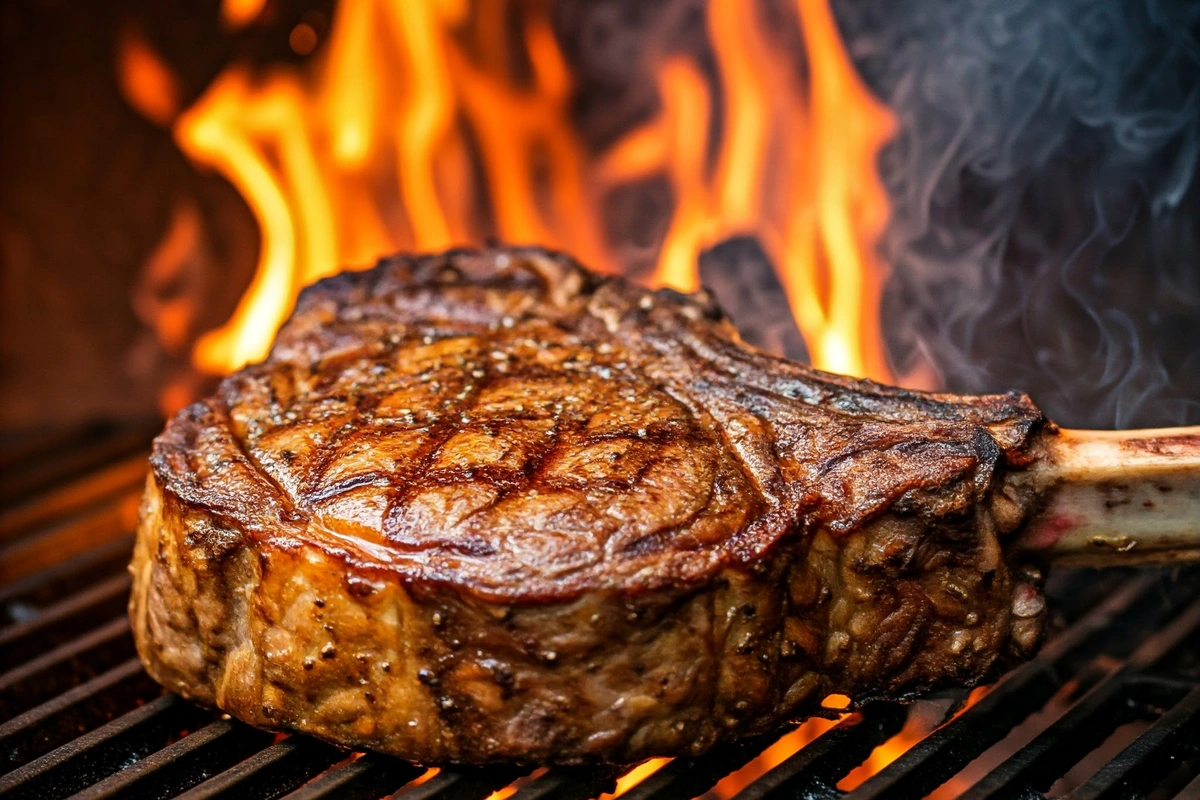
[488,506]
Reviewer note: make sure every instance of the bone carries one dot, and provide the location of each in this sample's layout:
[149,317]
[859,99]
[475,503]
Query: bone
[1118,497]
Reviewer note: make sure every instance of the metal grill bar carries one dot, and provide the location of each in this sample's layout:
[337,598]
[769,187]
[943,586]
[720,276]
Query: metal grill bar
[934,760]
[570,783]
[74,498]
[1104,708]
[47,546]
[95,755]
[368,777]
[1139,766]
[685,777]
[1129,652]
[63,621]
[30,471]
[180,766]
[1191,791]
[38,680]
[271,773]
[43,728]
[23,599]
[460,782]
[815,769]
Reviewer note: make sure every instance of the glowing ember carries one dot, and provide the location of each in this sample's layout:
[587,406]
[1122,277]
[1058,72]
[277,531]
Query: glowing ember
[837,702]
[635,776]
[916,728]
[424,777]
[512,788]
[770,758]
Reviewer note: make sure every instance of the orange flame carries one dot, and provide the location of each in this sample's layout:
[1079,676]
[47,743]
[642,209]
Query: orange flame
[412,119]
[515,786]
[370,154]
[838,209]
[240,13]
[820,228]
[146,82]
[915,729]
[770,758]
[635,776]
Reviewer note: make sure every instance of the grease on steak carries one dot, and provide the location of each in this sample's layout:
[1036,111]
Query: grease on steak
[490,506]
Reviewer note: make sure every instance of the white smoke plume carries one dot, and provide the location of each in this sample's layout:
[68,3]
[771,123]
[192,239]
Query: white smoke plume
[1046,208]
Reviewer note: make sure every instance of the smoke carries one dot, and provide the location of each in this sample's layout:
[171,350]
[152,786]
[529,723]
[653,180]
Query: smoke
[1046,215]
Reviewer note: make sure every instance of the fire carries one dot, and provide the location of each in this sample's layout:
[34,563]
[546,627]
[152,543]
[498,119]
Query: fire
[915,729]
[240,13]
[838,202]
[515,786]
[146,82]
[770,758]
[370,153]
[412,129]
[635,776]
[820,224]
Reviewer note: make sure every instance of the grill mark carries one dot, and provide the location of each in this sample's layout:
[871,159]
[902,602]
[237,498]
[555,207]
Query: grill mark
[535,472]
[722,434]
[439,434]
[694,362]
[242,448]
[342,486]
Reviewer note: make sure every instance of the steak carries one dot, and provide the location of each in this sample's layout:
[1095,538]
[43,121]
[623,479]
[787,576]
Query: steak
[489,506]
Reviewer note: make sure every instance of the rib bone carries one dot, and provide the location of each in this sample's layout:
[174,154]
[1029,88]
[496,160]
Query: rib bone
[1118,497]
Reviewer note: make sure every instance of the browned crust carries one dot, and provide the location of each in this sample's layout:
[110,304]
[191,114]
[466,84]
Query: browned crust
[847,537]
[285,637]
[612,439]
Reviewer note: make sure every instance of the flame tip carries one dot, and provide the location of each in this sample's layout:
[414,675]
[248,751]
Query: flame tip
[311,147]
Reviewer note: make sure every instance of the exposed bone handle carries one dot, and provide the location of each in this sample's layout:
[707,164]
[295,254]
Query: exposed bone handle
[1123,497]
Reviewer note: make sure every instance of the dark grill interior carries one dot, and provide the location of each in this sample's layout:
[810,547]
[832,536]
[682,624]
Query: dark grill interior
[1109,709]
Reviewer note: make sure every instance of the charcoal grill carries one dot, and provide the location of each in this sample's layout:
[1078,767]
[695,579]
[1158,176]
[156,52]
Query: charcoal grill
[1109,709]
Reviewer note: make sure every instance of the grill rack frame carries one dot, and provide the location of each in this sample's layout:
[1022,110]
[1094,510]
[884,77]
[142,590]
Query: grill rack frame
[78,718]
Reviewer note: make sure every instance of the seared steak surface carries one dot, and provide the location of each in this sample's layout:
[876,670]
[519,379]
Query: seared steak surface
[488,506]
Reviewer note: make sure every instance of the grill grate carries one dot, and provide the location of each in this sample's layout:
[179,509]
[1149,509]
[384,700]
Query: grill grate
[1109,709]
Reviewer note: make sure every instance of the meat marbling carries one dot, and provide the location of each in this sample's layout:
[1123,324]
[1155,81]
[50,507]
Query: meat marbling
[489,506]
